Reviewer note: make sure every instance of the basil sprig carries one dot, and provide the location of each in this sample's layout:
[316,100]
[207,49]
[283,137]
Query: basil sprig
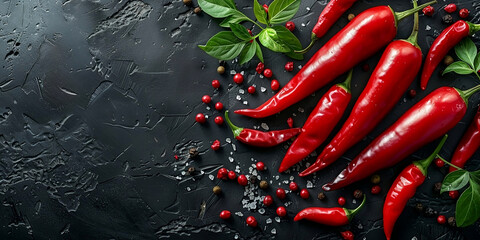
[469,59]
[238,42]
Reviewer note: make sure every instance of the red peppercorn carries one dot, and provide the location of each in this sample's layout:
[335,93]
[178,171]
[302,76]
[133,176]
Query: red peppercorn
[290,122]
[176,157]
[412,93]
[260,166]
[219,106]
[463,13]
[215,145]
[290,26]
[289,66]
[267,200]
[366,67]
[267,73]
[428,11]
[251,221]
[238,78]
[222,173]
[441,219]
[341,201]
[242,180]
[281,211]
[304,193]
[439,163]
[215,83]
[206,99]
[219,120]
[293,186]
[450,8]
[251,89]
[280,193]
[347,235]
[265,7]
[225,214]
[376,189]
[275,85]
[200,118]
[260,67]
[453,194]
[232,175]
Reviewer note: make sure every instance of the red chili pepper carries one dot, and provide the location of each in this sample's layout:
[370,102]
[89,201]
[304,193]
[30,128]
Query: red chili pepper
[449,37]
[335,216]
[326,114]
[396,70]
[329,16]
[427,120]
[367,33]
[261,139]
[404,187]
[468,145]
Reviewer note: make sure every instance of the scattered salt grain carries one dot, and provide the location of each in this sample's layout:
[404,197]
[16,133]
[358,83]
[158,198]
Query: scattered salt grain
[238,98]
[211,177]
[233,72]
[262,89]
[428,28]
[230,159]
[309,184]
[274,231]
[261,211]
[268,221]
[265,126]
[277,219]
[241,91]
[228,140]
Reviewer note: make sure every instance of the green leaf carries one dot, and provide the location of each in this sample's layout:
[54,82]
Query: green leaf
[259,12]
[281,11]
[269,38]
[466,51]
[258,51]
[289,39]
[218,8]
[475,176]
[476,63]
[240,31]
[467,210]
[455,181]
[459,68]
[224,46]
[247,53]
[237,17]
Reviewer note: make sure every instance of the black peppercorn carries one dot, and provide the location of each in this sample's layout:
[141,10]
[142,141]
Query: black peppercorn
[419,207]
[321,196]
[253,179]
[358,194]
[437,187]
[429,212]
[217,190]
[412,93]
[197,10]
[447,19]
[191,170]
[263,184]
[193,153]
[452,222]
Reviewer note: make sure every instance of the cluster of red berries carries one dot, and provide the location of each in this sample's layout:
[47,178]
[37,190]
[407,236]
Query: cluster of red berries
[450,8]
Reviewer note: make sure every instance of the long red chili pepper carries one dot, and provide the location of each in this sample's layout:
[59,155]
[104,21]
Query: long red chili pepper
[259,138]
[394,73]
[427,120]
[330,14]
[468,145]
[362,37]
[449,37]
[326,114]
[335,216]
[404,187]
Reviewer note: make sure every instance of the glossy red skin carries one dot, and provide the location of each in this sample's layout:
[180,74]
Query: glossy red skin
[403,188]
[426,121]
[328,216]
[326,114]
[375,26]
[468,145]
[330,14]
[266,139]
[449,37]
[396,70]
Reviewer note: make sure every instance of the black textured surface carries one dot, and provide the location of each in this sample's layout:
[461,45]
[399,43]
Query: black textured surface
[98,96]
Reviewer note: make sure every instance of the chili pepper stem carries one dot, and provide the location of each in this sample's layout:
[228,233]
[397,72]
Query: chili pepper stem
[473,28]
[351,212]
[423,164]
[401,15]
[414,35]
[346,84]
[449,163]
[313,39]
[236,130]
[466,94]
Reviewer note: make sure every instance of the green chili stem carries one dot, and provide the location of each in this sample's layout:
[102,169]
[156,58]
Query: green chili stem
[346,84]
[313,39]
[473,28]
[414,35]
[236,130]
[466,94]
[423,164]
[254,22]
[448,163]
[351,212]
[401,15]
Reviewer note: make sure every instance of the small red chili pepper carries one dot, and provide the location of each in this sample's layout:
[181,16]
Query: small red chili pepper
[397,69]
[404,188]
[428,11]
[261,139]
[329,216]
[200,118]
[218,120]
[281,211]
[453,194]
[341,201]
[260,67]
[449,37]
[293,186]
[219,106]
[267,73]
[206,99]
[267,200]
[238,78]
[251,90]
[441,219]
[225,214]
[463,13]
[280,193]
[327,113]
[376,26]
[222,173]
[215,145]
[347,235]
[290,26]
[290,122]
[242,180]
[289,66]
[450,8]
[275,85]
[260,166]
[251,221]
[304,193]
[468,145]
[426,121]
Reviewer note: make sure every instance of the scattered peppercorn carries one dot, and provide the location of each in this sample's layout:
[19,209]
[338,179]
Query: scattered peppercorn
[206,99]
[191,170]
[447,19]
[437,187]
[251,221]
[251,89]
[429,212]
[375,179]
[290,122]
[439,163]
[453,194]
[265,7]
[366,67]
[441,219]
[351,16]
[219,106]
[412,93]
[281,211]
[451,221]
[176,157]
[222,173]
[463,13]
[218,120]
[263,184]
[447,60]
[260,67]
[428,11]
[242,180]
[220,69]
[419,207]
[238,78]
[217,190]
[358,194]
[260,166]
[450,8]
[293,186]
[267,73]
[225,214]
[200,118]
[376,189]
[215,83]
[289,66]
[187,2]
[215,145]
[290,26]
[197,10]
[232,175]
[341,201]
[267,200]
[304,193]
[321,196]
[193,152]
[253,179]
[275,85]
[280,193]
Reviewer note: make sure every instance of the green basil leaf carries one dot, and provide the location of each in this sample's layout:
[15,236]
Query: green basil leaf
[218,8]
[467,210]
[455,181]
[237,17]
[466,51]
[281,11]
[240,31]
[475,176]
[289,39]
[258,51]
[247,53]
[224,46]
[259,12]
[476,63]
[269,38]
[459,68]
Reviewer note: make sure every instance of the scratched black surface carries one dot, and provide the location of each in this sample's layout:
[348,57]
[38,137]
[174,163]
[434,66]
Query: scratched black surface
[97,96]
